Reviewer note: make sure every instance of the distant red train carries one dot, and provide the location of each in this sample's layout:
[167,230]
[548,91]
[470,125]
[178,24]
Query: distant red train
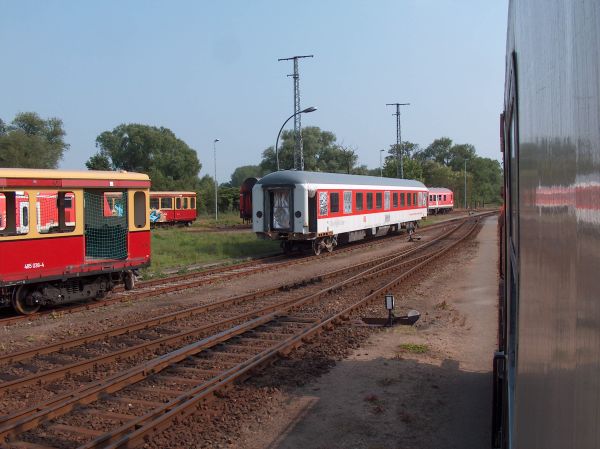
[246,199]
[441,201]
[68,235]
[172,208]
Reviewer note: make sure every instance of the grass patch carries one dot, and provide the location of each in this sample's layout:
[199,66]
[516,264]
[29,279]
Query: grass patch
[414,348]
[175,248]
[225,219]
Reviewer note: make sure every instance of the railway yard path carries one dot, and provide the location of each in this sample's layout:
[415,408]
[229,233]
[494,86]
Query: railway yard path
[423,387]
[270,354]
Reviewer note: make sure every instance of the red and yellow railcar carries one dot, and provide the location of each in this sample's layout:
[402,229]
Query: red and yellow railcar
[172,208]
[70,235]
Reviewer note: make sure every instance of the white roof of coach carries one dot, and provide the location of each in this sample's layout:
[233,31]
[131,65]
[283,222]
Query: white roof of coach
[308,177]
[439,190]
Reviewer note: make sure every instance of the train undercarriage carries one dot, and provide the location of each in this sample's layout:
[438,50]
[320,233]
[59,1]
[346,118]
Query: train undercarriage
[28,298]
[291,243]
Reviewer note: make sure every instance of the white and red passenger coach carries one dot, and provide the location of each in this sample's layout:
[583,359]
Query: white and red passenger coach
[324,209]
[441,200]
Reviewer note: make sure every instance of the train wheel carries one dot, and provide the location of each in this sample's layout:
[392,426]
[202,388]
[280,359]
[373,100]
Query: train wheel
[316,245]
[19,301]
[287,248]
[329,244]
[129,280]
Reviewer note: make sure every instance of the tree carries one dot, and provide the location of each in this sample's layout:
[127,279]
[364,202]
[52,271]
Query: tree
[240,174]
[169,161]
[412,169]
[98,161]
[320,151]
[32,142]
[438,151]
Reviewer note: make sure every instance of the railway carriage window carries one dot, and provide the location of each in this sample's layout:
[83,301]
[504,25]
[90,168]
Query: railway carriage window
[185,203]
[154,203]
[395,200]
[139,209]
[386,200]
[323,207]
[408,197]
[359,201]
[192,203]
[177,203]
[14,213]
[414,199]
[334,199]
[369,200]
[378,200]
[55,212]
[402,199]
[444,197]
[166,203]
[348,202]
[114,204]
[2,212]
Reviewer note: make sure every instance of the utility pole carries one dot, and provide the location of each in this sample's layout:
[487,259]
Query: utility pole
[216,183]
[466,184]
[298,153]
[399,161]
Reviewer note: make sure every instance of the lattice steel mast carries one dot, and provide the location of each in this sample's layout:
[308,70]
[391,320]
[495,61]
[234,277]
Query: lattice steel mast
[399,159]
[298,150]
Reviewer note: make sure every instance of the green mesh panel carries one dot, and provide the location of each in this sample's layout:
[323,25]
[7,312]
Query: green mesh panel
[105,224]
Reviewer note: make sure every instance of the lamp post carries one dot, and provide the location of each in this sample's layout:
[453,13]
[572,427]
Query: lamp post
[303,111]
[380,166]
[466,184]
[216,183]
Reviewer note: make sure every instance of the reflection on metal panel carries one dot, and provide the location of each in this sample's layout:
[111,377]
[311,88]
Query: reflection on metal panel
[281,209]
[557,379]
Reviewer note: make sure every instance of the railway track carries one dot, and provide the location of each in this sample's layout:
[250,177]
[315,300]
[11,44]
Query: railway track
[127,405]
[157,287]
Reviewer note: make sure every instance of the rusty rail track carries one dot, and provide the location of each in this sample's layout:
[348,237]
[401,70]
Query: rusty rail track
[41,376]
[176,283]
[176,383]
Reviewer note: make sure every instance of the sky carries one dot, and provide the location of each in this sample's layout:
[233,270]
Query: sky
[209,69]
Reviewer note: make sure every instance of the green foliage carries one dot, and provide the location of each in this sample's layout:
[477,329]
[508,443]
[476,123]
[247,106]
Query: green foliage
[321,153]
[240,174]
[169,161]
[444,166]
[32,142]
[98,161]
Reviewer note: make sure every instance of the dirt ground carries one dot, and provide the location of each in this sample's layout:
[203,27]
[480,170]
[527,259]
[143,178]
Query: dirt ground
[425,387]
[58,327]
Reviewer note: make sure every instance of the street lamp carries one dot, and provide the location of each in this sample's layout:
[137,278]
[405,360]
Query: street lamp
[466,184]
[303,111]
[216,183]
[380,166]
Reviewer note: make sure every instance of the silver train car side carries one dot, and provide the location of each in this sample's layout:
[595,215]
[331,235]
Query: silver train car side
[547,367]
[323,209]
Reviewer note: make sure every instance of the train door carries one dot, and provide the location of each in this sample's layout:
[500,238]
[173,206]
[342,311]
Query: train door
[281,209]
[312,212]
[105,224]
